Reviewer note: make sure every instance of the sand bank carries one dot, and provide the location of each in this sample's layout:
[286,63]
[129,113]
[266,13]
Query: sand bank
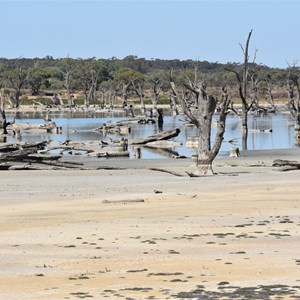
[136,233]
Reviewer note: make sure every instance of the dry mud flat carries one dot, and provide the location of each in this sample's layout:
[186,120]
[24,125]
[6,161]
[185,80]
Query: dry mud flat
[142,233]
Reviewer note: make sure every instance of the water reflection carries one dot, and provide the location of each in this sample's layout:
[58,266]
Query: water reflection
[81,126]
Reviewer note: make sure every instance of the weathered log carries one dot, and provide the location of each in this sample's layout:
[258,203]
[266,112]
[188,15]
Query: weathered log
[8,148]
[113,154]
[165,135]
[48,126]
[123,201]
[164,144]
[40,157]
[286,165]
[18,155]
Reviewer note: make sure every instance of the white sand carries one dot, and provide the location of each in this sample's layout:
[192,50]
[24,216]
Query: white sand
[108,234]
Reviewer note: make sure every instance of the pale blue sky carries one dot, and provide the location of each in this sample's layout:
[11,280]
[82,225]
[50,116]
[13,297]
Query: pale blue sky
[199,30]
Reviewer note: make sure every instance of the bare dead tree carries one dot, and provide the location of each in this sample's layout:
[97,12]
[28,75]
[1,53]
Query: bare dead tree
[173,105]
[243,82]
[269,91]
[157,86]
[255,94]
[293,91]
[206,106]
[5,123]
[138,88]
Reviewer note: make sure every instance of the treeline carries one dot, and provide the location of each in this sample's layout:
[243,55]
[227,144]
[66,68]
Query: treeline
[102,80]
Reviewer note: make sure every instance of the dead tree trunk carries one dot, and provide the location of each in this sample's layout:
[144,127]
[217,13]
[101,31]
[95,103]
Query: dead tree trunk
[242,87]
[173,106]
[157,87]
[5,123]
[294,105]
[206,107]
[139,92]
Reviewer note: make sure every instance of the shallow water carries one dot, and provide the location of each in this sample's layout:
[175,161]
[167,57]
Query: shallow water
[81,126]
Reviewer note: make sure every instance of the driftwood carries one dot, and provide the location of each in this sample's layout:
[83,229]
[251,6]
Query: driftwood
[113,154]
[48,126]
[286,165]
[95,148]
[166,171]
[123,201]
[18,155]
[164,144]
[165,135]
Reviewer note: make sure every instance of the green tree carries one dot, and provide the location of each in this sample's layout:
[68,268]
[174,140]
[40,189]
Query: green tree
[126,77]
[89,75]
[39,77]
[67,67]
[17,78]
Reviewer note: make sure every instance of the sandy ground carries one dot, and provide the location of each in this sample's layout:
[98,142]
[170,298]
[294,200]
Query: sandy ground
[137,233]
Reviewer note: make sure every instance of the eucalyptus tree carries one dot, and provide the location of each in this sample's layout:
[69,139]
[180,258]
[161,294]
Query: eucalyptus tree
[17,78]
[201,117]
[89,74]
[109,90]
[39,78]
[139,88]
[67,67]
[267,88]
[126,77]
[157,82]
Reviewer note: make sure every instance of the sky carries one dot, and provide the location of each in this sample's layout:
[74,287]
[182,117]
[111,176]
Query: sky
[153,29]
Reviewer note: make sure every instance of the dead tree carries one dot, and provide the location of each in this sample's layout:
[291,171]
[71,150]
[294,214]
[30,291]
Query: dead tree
[140,93]
[269,91]
[155,94]
[5,124]
[173,105]
[293,90]
[206,106]
[242,81]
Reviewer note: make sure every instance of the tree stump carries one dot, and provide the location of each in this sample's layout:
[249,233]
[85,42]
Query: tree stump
[137,152]
[234,152]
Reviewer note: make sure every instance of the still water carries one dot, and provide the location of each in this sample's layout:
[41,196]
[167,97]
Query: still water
[81,126]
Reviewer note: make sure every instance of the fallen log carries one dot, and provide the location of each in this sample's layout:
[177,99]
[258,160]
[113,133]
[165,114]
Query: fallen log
[123,201]
[164,144]
[113,154]
[8,148]
[286,165]
[48,126]
[165,135]
[18,155]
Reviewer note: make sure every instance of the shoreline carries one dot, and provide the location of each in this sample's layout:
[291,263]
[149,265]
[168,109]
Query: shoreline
[138,233]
